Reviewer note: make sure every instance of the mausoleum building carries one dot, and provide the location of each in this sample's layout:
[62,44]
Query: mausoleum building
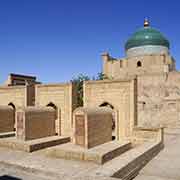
[148,58]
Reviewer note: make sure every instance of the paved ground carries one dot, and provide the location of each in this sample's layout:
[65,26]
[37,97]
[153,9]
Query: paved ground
[166,165]
[13,173]
[18,165]
[39,164]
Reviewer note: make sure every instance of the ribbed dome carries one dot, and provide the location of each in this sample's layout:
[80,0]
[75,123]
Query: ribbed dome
[146,36]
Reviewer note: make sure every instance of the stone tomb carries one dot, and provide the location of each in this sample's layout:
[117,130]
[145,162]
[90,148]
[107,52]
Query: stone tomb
[35,130]
[35,122]
[92,137]
[92,126]
[7,119]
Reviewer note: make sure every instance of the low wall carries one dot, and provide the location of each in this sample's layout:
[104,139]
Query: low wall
[7,119]
[35,122]
[141,134]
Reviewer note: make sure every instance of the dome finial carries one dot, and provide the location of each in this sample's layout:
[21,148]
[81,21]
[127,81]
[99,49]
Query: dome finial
[146,22]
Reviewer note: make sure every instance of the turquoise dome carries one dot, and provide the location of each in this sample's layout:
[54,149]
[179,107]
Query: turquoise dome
[146,36]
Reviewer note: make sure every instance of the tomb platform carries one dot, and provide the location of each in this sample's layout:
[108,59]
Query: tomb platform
[99,154]
[32,145]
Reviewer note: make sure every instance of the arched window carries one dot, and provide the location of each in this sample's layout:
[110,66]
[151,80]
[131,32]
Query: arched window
[139,64]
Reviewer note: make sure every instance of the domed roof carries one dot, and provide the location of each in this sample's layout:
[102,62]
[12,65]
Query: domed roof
[146,36]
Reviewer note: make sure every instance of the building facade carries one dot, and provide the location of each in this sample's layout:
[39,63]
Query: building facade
[158,82]
[142,89]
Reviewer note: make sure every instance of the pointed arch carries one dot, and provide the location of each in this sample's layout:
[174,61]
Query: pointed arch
[14,119]
[109,105]
[51,104]
[57,118]
[12,105]
[139,64]
[106,104]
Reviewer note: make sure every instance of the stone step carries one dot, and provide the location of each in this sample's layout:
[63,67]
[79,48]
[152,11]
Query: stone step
[33,145]
[99,154]
[131,162]
[7,134]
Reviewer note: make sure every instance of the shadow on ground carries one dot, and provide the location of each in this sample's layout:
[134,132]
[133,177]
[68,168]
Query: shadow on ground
[6,177]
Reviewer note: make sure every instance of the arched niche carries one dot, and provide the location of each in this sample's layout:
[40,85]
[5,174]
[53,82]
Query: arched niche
[14,107]
[107,104]
[139,64]
[57,119]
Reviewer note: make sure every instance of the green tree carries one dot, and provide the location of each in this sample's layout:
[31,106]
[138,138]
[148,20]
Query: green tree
[101,76]
[78,81]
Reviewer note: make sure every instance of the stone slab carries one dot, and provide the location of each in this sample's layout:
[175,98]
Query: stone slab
[129,163]
[33,145]
[99,154]
[7,134]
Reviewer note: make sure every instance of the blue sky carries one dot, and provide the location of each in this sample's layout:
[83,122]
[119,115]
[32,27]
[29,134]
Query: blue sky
[58,39]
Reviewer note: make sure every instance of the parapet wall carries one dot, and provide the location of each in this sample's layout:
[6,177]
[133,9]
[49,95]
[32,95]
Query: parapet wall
[35,122]
[19,96]
[140,65]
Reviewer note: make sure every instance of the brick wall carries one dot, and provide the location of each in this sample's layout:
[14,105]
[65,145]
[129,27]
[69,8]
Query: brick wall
[15,95]
[159,99]
[121,94]
[61,96]
[158,87]
[19,96]
[115,68]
